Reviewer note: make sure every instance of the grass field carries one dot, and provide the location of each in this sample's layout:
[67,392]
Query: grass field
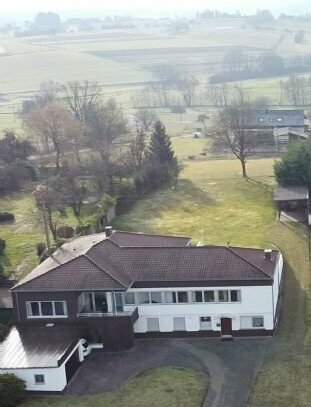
[163,387]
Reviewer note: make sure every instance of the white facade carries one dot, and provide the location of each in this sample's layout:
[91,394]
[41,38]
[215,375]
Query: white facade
[255,309]
[54,377]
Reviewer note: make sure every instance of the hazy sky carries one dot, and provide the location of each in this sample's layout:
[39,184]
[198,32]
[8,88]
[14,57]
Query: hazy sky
[19,5]
[245,5]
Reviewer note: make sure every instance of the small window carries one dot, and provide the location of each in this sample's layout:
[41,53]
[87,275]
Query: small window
[39,379]
[261,119]
[257,322]
[142,298]
[182,296]
[197,296]
[156,297]
[170,297]
[34,309]
[59,308]
[235,295]
[46,308]
[209,296]
[280,119]
[223,295]
[129,298]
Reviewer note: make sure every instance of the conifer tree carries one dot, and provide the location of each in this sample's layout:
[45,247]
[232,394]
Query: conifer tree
[161,166]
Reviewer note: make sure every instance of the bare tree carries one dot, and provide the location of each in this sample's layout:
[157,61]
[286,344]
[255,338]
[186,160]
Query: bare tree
[50,126]
[187,84]
[294,89]
[145,119]
[218,94]
[80,96]
[105,124]
[234,129]
[165,79]
[235,61]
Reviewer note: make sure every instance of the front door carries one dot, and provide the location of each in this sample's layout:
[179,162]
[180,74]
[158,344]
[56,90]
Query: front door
[226,326]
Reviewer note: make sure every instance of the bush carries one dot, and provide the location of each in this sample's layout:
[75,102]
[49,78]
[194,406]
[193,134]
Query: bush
[7,217]
[2,245]
[41,246]
[12,390]
[65,232]
[84,230]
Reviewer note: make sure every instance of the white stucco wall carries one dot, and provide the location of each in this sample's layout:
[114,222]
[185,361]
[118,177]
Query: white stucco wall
[55,378]
[255,301]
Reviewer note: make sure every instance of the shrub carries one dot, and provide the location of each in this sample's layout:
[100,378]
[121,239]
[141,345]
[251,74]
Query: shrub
[65,232]
[2,245]
[7,217]
[84,230]
[41,246]
[12,390]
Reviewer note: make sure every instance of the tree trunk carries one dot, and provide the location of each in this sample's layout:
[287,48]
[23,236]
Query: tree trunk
[243,163]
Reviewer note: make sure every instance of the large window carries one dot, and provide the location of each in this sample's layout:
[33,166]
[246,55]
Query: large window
[46,309]
[93,302]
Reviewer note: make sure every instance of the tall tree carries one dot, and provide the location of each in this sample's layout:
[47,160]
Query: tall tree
[50,126]
[234,129]
[145,118]
[161,166]
[105,123]
[81,96]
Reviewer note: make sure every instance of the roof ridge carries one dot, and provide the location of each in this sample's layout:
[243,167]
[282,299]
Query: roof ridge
[247,261]
[102,269]
[150,234]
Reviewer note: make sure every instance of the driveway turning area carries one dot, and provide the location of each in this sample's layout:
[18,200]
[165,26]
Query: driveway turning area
[231,366]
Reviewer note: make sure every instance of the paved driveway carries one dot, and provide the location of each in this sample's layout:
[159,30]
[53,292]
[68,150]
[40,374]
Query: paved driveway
[232,366]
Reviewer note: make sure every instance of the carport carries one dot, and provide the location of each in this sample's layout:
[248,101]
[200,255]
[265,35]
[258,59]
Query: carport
[293,199]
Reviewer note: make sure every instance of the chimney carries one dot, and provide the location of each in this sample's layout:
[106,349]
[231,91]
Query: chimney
[268,254]
[108,231]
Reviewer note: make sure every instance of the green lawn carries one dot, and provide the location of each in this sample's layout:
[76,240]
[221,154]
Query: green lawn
[162,387]
[211,201]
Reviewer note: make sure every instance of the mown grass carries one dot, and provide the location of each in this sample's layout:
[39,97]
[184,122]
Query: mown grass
[211,203]
[162,387]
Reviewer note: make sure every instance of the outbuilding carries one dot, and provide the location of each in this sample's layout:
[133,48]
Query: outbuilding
[45,357]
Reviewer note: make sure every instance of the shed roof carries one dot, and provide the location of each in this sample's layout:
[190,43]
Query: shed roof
[36,347]
[291,193]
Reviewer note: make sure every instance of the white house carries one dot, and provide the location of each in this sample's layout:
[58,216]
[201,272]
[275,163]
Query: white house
[117,286]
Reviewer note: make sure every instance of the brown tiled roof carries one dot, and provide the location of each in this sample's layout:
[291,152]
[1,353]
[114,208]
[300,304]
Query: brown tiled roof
[106,265]
[134,239]
[36,347]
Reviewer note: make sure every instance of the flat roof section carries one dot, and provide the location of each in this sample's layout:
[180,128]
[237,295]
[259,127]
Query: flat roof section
[294,193]
[36,347]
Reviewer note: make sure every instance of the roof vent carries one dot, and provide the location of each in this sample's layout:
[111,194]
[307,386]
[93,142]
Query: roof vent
[268,254]
[108,231]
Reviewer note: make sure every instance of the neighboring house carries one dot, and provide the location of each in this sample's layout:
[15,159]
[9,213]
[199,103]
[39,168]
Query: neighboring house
[277,126]
[109,288]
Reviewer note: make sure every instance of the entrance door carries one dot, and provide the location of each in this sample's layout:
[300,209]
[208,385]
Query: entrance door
[226,326]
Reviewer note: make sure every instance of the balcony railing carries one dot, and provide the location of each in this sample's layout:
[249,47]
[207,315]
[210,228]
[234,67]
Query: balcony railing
[106,314]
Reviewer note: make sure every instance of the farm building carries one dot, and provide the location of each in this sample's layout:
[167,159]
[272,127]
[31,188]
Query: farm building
[112,287]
